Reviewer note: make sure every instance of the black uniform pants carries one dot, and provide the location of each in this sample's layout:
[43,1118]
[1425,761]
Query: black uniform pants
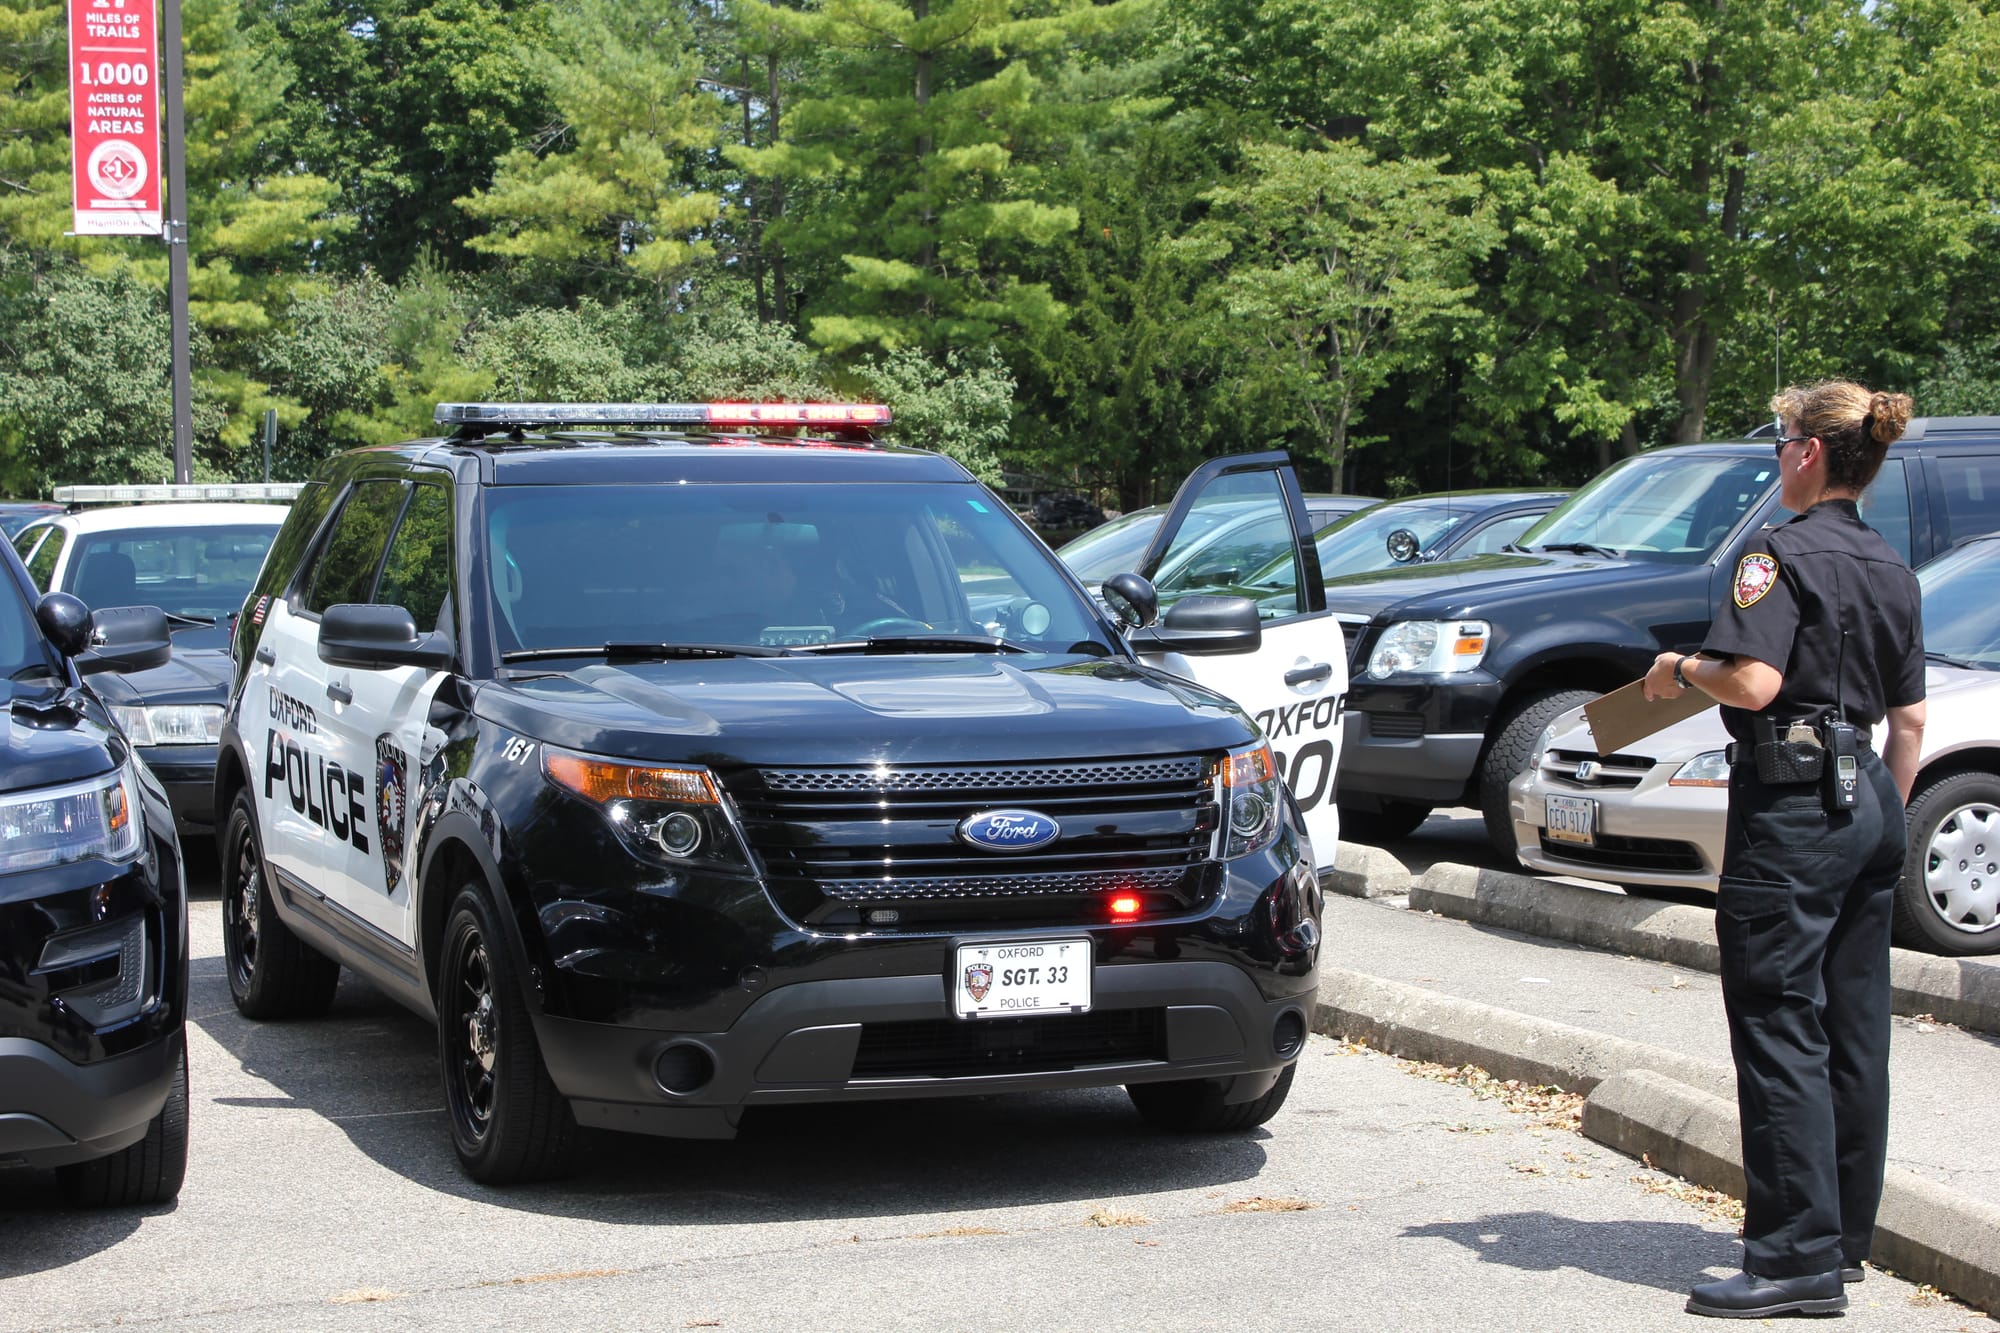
[1802,917]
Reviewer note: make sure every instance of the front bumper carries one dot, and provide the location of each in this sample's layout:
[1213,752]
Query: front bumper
[1418,741]
[868,1038]
[1649,834]
[188,774]
[53,1112]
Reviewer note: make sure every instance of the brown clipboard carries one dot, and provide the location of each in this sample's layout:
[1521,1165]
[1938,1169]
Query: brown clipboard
[1626,715]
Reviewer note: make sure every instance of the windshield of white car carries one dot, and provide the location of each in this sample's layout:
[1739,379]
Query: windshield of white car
[1118,546]
[1671,506]
[1960,619]
[775,566]
[197,575]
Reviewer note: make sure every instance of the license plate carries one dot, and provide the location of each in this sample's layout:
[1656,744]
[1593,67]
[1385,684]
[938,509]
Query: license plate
[1011,978]
[1572,819]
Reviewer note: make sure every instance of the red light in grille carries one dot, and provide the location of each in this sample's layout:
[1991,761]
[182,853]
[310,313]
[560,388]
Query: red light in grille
[1125,904]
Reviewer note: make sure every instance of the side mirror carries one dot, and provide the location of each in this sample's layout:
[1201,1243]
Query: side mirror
[1204,626]
[122,638]
[1132,599]
[376,637]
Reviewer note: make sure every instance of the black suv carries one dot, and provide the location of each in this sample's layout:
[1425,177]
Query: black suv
[677,769]
[1456,668]
[93,912]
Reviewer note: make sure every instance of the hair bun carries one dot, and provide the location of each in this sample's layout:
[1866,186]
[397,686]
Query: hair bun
[1891,414]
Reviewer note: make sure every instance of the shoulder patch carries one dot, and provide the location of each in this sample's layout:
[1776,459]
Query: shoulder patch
[1755,573]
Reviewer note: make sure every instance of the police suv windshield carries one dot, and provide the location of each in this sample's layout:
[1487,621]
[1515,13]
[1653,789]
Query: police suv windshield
[1672,505]
[781,566]
[23,655]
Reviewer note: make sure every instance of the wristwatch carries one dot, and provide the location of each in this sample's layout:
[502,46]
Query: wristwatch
[1679,679]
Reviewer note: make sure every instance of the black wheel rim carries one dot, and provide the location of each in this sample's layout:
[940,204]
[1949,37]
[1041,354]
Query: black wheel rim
[472,1035]
[245,908]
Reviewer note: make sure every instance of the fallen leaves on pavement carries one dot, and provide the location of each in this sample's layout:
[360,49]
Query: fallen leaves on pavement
[1549,1105]
[1257,1203]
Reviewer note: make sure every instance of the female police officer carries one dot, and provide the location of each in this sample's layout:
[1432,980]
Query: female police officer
[1819,639]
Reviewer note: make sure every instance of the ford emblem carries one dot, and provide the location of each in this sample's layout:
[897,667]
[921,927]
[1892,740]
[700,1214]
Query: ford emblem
[1008,830]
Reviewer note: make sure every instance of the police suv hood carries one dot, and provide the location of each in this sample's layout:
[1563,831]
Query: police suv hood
[54,736]
[1475,585]
[845,710]
[190,676]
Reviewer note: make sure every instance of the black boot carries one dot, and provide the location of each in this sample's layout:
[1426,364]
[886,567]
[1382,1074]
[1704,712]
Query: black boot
[1747,1296]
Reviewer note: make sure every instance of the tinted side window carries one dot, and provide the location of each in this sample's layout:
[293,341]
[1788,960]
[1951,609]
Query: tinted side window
[1971,484]
[353,550]
[1885,506]
[417,574]
[43,567]
[297,533]
[24,541]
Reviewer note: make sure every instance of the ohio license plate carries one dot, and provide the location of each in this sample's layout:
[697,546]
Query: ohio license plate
[1011,978]
[1572,819]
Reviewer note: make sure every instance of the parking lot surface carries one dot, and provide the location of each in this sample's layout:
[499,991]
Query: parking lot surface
[323,1194]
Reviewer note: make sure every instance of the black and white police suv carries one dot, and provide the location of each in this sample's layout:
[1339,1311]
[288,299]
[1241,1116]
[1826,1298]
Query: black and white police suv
[93,911]
[674,766]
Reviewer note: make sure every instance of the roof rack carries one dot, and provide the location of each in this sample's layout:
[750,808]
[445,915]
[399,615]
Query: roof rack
[148,494]
[516,416]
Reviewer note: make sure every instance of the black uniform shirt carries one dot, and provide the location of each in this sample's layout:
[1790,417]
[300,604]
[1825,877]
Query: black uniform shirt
[1793,592]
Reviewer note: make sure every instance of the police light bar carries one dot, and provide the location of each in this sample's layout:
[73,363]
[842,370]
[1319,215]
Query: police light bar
[147,494]
[643,414]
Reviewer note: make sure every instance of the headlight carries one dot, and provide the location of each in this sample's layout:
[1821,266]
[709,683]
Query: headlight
[663,813]
[1246,786]
[1708,769]
[170,724]
[57,825]
[1542,744]
[1429,647]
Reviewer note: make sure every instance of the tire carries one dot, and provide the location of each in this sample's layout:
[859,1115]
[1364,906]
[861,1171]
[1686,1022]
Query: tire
[1512,749]
[273,974]
[148,1172]
[1394,821]
[1949,899]
[509,1124]
[1195,1106]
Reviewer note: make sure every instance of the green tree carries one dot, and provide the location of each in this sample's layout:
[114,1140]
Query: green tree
[922,142]
[1337,271]
[611,189]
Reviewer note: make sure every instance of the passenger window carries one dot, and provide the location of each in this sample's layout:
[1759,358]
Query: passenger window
[1499,533]
[417,574]
[1250,544]
[346,568]
[1971,496]
[43,567]
[24,542]
[1885,506]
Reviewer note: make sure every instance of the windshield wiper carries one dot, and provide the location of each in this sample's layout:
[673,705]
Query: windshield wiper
[1580,548]
[917,643]
[647,652]
[176,620]
[1945,659]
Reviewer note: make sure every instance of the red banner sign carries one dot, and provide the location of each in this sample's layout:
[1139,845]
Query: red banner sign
[114,53]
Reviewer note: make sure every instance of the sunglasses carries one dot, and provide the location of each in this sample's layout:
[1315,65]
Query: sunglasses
[1784,440]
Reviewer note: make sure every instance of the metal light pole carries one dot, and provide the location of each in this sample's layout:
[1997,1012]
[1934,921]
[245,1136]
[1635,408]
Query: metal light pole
[176,235]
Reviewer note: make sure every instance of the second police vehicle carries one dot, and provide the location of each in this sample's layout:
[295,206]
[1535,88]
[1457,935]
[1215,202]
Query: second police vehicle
[673,766]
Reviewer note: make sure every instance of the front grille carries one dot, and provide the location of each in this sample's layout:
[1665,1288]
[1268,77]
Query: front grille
[1615,853]
[1588,769]
[877,847]
[966,1048]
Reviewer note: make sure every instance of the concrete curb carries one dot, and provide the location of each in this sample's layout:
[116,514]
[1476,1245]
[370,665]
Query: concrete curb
[1952,990]
[1925,1232]
[1362,871]
[1423,1025]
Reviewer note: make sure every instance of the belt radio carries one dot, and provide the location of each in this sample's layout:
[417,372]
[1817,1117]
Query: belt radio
[1842,775]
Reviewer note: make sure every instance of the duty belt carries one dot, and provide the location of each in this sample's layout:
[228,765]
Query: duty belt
[1741,752]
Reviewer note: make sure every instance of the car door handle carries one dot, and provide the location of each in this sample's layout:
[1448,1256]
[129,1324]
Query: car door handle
[266,655]
[339,693]
[1301,675]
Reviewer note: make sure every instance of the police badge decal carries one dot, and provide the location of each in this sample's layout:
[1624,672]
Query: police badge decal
[1755,573]
[391,800]
[978,980]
